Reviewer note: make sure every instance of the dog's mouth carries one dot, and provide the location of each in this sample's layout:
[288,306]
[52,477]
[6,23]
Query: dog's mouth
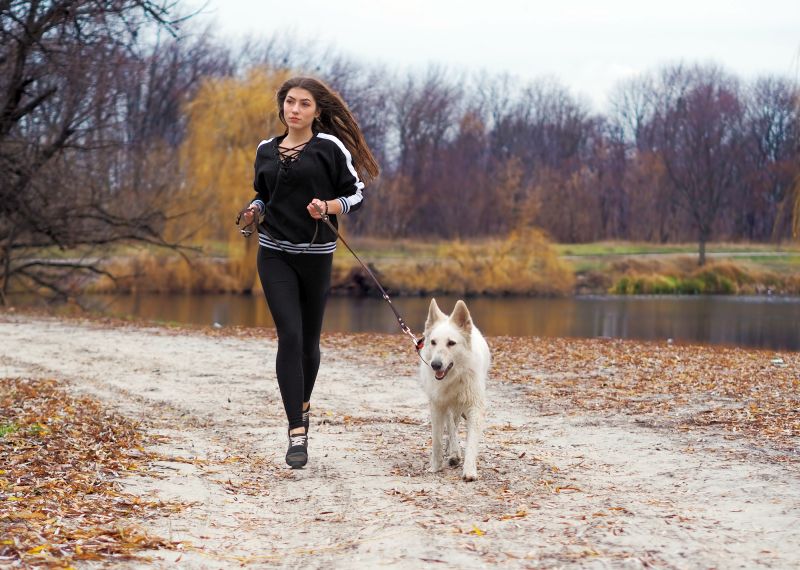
[440,374]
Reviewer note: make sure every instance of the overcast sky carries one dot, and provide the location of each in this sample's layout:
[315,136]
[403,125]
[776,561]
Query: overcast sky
[586,44]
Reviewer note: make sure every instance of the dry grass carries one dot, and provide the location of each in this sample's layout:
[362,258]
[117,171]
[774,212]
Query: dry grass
[148,272]
[523,264]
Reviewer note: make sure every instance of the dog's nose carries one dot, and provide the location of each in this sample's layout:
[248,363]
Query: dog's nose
[436,365]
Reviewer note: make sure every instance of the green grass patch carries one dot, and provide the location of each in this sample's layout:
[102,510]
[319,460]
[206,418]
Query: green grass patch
[6,429]
[682,276]
[615,249]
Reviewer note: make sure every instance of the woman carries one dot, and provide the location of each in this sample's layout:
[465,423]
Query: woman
[314,169]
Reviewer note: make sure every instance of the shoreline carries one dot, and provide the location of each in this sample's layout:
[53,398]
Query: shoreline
[765,323]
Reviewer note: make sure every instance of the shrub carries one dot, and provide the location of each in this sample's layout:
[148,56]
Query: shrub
[524,263]
[691,286]
[151,273]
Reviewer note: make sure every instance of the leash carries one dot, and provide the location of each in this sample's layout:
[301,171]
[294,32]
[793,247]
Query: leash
[418,342]
[248,230]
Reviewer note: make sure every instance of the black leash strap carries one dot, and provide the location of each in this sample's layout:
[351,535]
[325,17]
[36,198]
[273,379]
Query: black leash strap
[418,342]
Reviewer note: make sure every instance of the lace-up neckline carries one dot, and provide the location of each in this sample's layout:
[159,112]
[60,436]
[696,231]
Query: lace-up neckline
[289,155]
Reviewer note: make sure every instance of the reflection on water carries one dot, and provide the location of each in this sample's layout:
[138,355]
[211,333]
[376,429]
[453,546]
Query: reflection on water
[746,321]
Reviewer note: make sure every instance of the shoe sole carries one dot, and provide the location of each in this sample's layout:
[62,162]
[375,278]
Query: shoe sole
[297,460]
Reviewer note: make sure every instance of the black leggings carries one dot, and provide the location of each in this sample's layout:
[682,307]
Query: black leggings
[296,287]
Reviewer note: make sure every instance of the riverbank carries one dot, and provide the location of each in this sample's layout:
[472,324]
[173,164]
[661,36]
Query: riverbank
[597,452]
[528,267]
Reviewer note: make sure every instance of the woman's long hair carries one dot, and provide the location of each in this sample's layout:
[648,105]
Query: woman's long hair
[336,119]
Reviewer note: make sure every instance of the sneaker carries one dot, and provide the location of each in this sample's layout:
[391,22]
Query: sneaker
[306,414]
[297,454]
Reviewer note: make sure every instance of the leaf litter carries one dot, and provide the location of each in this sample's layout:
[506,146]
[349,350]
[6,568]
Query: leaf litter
[748,393]
[61,498]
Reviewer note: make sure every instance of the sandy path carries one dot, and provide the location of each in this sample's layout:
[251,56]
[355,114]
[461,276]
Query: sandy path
[582,492]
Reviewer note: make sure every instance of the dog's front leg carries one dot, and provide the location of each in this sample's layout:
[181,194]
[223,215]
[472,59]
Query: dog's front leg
[453,447]
[437,425]
[475,419]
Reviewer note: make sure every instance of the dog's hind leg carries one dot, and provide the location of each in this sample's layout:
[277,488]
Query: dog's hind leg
[438,418]
[475,420]
[453,447]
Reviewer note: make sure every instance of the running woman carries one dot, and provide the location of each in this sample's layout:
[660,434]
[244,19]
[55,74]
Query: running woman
[317,167]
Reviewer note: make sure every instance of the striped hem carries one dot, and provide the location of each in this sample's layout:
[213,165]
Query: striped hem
[280,245]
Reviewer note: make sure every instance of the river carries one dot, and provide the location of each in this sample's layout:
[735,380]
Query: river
[764,322]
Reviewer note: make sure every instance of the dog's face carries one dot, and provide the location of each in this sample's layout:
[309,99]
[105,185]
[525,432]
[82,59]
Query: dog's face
[447,338]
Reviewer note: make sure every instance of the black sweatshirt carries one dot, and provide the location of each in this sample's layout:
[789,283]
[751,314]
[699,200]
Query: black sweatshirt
[323,169]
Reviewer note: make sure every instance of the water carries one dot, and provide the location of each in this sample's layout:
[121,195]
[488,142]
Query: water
[744,321]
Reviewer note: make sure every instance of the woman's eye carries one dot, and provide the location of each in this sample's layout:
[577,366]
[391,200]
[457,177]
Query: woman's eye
[451,343]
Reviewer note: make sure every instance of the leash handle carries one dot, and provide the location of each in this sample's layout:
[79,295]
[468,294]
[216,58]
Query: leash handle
[248,229]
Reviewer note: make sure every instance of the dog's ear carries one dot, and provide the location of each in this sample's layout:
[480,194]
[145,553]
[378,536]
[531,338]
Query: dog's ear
[461,317]
[435,314]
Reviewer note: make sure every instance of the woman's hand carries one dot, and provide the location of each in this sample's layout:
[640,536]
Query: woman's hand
[248,215]
[315,207]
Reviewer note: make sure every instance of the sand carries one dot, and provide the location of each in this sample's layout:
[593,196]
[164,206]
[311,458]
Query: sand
[555,491]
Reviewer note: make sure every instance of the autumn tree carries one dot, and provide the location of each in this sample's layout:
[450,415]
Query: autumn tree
[227,119]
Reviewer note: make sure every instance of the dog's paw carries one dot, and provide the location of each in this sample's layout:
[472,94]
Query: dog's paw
[435,468]
[470,476]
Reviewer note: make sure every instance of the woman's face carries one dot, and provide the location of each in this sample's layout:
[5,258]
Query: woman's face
[299,108]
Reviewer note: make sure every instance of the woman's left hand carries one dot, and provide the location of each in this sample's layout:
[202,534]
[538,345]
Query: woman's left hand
[315,207]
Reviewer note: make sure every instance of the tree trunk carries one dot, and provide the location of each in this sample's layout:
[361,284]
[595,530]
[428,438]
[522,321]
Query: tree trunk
[701,261]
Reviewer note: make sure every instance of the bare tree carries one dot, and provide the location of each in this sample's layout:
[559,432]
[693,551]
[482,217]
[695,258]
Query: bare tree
[772,130]
[699,125]
[425,113]
[61,64]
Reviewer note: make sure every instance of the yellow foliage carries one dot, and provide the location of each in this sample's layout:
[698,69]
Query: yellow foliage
[147,272]
[525,263]
[227,119]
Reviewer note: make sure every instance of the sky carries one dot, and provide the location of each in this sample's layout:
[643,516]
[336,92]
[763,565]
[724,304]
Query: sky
[588,46]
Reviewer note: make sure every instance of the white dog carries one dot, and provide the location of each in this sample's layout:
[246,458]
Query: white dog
[454,378]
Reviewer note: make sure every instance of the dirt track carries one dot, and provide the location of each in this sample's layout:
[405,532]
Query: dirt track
[560,490]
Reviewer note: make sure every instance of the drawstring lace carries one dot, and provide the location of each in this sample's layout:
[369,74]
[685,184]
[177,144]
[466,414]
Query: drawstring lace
[289,155]
[296,440]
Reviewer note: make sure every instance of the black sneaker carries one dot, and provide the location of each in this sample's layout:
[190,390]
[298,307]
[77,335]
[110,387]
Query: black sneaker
[297,454]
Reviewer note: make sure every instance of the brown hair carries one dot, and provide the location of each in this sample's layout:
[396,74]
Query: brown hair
[336,119]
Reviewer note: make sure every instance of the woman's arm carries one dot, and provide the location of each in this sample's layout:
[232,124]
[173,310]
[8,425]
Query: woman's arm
[345,180]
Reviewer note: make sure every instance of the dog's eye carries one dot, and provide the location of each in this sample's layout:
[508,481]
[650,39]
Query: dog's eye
[433,343]
[451,343]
